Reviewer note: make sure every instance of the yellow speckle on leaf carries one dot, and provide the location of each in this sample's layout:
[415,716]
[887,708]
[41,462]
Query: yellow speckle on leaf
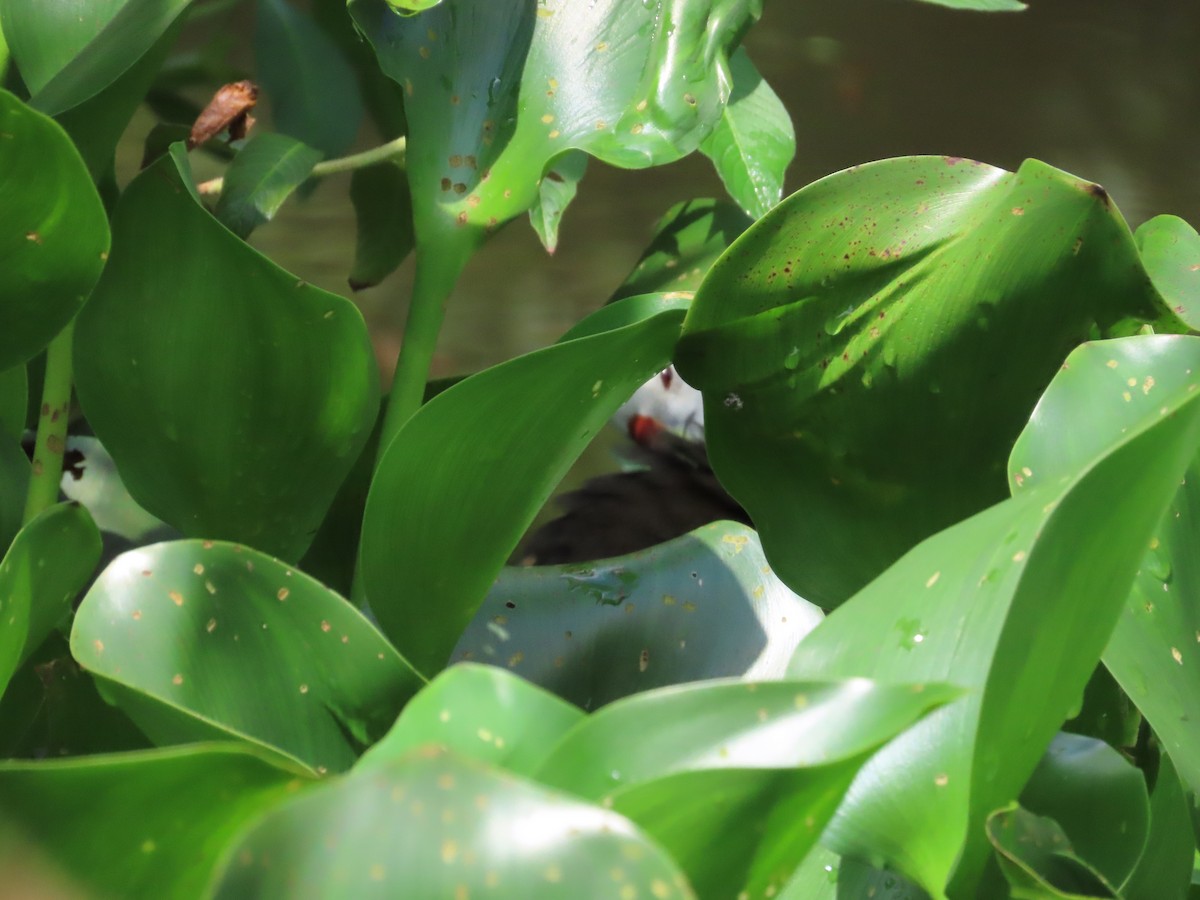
[1176,655]
[932,579]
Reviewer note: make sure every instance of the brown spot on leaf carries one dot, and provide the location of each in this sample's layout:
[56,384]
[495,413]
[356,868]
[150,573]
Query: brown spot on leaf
[229,110]
[33,236]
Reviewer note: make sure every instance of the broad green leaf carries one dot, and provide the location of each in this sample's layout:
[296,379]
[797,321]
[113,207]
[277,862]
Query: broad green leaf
[825,876]
[843,344]
[47,565]
[233,397]
[1098,798]
[14,400]
[44,37]
[434,824]
[980,5]
[1037,858]
[1170,251]
[816,878]
[1154,645]
[687,241]
[383,218]
[260,178]
[1165,868]
[753,141]
[406,7]
[556,191]
[53,236]
[705,605]
[309,86]
[445,512]
[14,482]
[710,759]
[1106,712]
[495,91]
[483,713]
[146,824]
[179,632]
[985,604]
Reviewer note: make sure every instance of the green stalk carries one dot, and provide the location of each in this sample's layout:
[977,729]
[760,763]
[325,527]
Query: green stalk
[52,427]
[393,150]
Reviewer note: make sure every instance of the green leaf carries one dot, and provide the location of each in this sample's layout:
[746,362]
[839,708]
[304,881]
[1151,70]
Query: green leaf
[705,605]
[177,631]
[710,759]
[986,603]
[309,86]
[1153,647]
[1170,250]
[383,216]
[687,241]
[1037,858]
[433,824]
[753,142]
[54,235]
[406,7]
[47,565]
[444,513]
[14,483]
[14,400]
[980,5]
[260,178]
[1165,868]
[843,343]
[152,823]
[1098,798]
[556,191]
[233,397]
[483,713]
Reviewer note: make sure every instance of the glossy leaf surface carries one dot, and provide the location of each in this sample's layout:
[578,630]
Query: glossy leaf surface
[233,397]
[1038,860]
[985,604]
[557,190]
[178,631]
[1170,249]
[483,713]
[711,758]
[753,141]
[444,512]
[47,565]
[260,178]
[705,605]
[153,823]
[844,341]
[383,217]
[53,235]
[433,824]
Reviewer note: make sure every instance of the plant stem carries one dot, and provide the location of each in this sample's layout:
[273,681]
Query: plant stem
[393,150]
[52,427]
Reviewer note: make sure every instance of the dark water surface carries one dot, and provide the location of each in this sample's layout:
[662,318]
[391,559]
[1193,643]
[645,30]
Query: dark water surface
[1107,89]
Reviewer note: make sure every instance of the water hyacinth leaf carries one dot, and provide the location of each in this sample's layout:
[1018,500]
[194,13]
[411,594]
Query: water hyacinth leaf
[54,236]
[311,89]
[1038,861]
[710,756]
[985,603]
[46,566]
[753,142]
[407,7]
[843,342]
[483,713]
[14,484]
[260,178]
[14,400]
[495,91]
[326,683]
[1098,798]
[383,217]
[1154,640]
[433,824]
[178,810]
[444,514]
[558,188]
[705,605]
[687,241]
[233,397]
[1170,249]
[1165,869]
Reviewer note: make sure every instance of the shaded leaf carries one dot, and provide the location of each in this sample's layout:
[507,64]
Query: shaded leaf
[260,178]
[986,603]
[1037,859]
[14,393]
[843,343]
[702,606]
[712,758]
[54,234]
[14,483]
[150,823]
[47,565]
[444,513]
[229,109]
[980,5]
[1165,868]
[1106,712]
[177,631]
[383,217]
[753,142]
[556,191]
[1170,251]
[433,824]
[233,397]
